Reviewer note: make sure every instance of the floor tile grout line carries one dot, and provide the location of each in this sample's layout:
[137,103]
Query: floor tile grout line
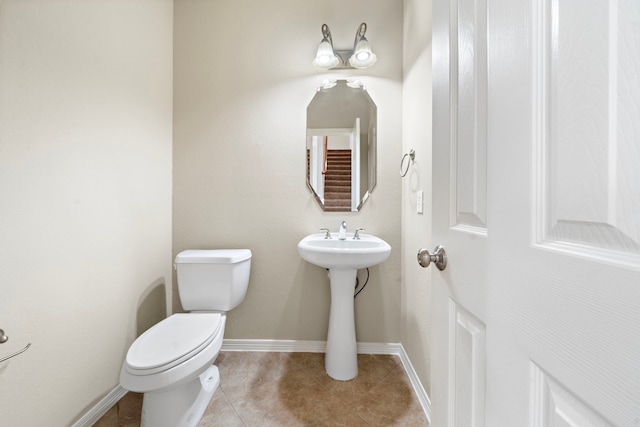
[233,406]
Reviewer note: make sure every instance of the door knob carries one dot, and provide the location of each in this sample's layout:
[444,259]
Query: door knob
[439,258]
[3,337]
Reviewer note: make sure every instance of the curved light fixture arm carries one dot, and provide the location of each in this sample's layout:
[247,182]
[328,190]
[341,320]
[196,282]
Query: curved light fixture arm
[326,34]
[362,30]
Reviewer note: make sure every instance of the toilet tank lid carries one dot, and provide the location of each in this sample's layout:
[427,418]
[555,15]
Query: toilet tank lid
[213,256]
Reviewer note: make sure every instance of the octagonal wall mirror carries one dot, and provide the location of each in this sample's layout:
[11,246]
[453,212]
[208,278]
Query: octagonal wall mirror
[341,146]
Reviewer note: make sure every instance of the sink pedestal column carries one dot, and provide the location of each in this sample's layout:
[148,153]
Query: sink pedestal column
[341,357]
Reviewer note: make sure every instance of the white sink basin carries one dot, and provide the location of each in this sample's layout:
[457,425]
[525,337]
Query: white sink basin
[343,258]
[350,253]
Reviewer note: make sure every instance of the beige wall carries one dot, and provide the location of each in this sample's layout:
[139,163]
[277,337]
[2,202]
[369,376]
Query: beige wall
[243,80]
[86,177]
[416,228]
[85,195]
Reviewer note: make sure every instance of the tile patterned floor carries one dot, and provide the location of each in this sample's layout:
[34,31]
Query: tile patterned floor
[293,389]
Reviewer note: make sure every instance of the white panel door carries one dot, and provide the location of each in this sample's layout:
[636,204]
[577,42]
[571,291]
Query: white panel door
[536,160]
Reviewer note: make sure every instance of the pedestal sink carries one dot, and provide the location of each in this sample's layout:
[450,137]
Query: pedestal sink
[342,258]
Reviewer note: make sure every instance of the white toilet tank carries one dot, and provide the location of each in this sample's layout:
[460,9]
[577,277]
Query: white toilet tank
[212,280]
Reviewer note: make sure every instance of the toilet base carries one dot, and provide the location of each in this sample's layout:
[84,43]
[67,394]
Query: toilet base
[181,406]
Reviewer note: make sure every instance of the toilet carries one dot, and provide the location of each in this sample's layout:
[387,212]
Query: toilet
[172,362]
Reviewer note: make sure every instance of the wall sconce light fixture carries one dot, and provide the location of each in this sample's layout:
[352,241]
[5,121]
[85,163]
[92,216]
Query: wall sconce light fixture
[361,56]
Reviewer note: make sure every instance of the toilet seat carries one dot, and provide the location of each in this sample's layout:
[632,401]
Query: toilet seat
[171,342]
[183,368]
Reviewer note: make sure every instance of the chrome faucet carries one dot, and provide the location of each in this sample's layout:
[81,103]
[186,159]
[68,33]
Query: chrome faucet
[342,234]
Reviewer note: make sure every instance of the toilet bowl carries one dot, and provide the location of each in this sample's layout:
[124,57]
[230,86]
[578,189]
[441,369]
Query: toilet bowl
[175,352]
[172,362]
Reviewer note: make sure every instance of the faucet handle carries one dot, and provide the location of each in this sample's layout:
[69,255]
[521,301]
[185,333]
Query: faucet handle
[327,233]
[356,235]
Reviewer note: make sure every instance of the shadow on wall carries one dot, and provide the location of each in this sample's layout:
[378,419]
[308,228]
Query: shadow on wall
[152,306]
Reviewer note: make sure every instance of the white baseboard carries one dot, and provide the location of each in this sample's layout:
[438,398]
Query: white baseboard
[421,393]
[320,346]
[278,346]
[101,408]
